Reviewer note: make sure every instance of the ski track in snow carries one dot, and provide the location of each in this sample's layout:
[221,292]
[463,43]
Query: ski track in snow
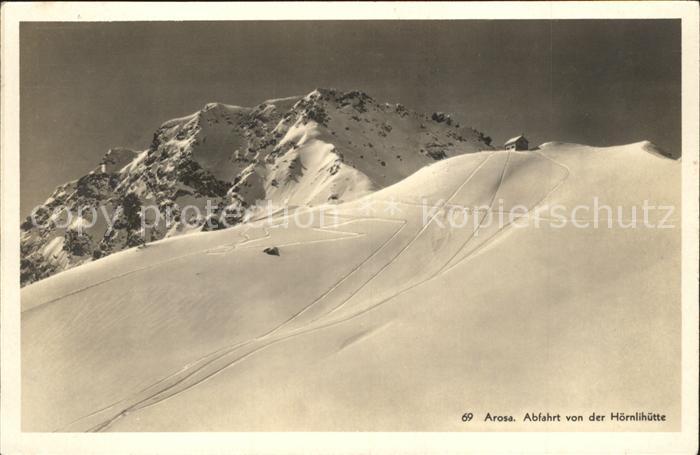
[414,238]
[207,359]
[208,250]
[218,360]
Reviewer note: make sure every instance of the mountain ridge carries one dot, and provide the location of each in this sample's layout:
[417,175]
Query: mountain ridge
[328,146]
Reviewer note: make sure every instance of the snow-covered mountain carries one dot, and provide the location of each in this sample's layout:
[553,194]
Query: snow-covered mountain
[327,147]
[383,308]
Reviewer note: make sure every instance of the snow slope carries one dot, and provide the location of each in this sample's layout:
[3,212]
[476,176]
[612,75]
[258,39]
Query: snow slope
[381,317]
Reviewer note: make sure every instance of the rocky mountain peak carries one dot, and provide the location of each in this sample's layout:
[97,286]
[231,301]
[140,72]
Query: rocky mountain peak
[329,146]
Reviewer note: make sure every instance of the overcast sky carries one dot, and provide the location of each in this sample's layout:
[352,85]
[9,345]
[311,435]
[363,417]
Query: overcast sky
[86,87]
